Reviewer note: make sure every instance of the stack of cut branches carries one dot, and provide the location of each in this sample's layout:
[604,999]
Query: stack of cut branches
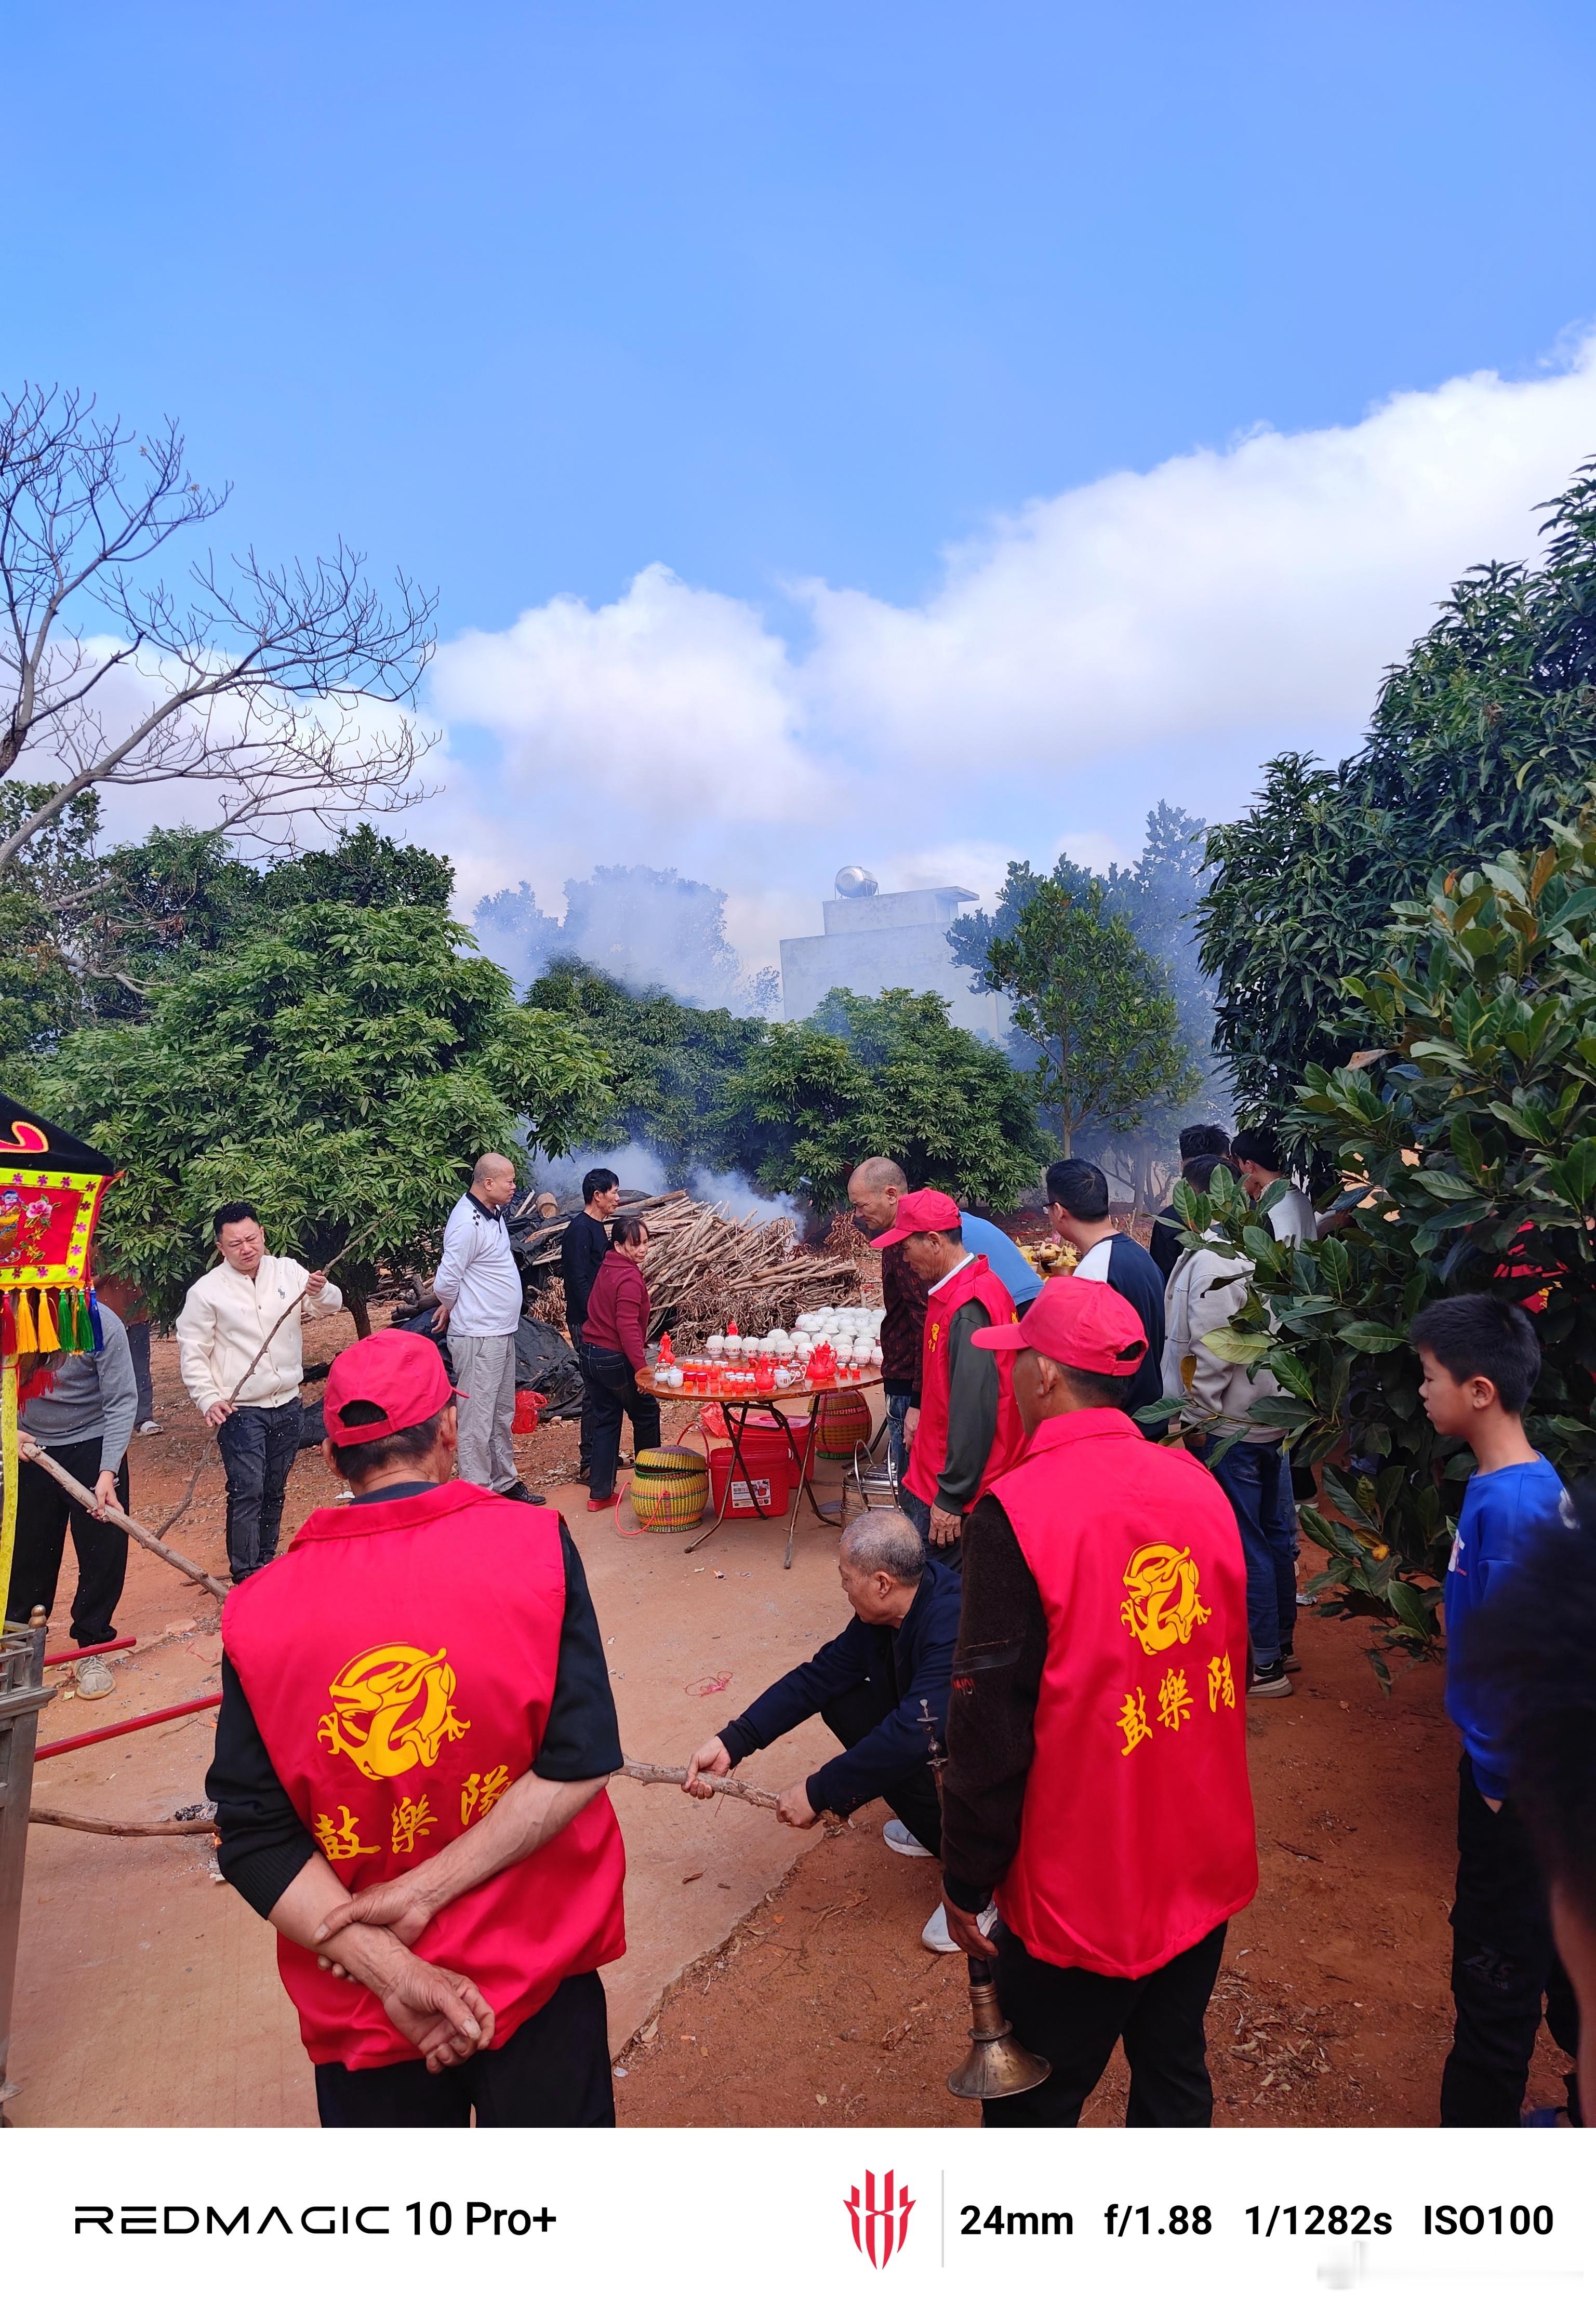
[706,1268]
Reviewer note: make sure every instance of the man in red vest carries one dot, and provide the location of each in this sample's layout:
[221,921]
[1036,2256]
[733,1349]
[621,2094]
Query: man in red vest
[415,1731]
[1097,1777]
[969,1430]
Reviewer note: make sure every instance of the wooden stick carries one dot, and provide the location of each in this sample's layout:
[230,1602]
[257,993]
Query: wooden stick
[191,1569]
[647,1773]
[121,1832]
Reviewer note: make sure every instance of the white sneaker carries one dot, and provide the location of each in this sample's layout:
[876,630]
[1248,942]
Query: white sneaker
[150,1426]
[94,1678]
[902,1842]
[937,1937]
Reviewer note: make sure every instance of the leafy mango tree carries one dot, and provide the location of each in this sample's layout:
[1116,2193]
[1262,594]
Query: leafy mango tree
[1466,1133]
[341,1067]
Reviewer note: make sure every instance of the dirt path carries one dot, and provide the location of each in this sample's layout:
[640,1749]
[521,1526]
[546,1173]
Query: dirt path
[148,1992]
[769,1978]
[1332,2008]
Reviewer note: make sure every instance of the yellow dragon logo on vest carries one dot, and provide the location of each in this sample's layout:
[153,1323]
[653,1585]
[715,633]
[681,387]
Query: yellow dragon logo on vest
[1163,1607]
[392,1710]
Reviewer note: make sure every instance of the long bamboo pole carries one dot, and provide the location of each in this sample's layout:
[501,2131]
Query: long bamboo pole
[136,1529]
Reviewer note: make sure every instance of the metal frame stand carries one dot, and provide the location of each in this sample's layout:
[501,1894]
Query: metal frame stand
[22,1698]
[737,1414]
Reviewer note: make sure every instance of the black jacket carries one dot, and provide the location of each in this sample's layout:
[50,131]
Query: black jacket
[1166,1227]
[582,1251]
[911,1663]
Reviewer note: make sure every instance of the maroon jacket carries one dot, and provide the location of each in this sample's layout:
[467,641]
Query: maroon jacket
[618,1310]
[902,1331]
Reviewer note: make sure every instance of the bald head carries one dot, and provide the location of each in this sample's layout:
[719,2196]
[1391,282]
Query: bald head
[873,1190]
[493,1179]
[877,1175]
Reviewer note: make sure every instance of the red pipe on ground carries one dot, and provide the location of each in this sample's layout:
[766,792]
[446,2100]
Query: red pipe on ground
[100,1648]
[123,1728]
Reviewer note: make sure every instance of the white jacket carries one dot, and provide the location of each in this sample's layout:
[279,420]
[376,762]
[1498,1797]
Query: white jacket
[477,1277]
[224,1320]
[1205,1291]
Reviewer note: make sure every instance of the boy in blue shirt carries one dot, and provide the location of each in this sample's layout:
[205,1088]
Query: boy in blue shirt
[1480,1359]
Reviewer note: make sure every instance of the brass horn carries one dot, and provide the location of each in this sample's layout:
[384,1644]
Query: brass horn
[997,2065]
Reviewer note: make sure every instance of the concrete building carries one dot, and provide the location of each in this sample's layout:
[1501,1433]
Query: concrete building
[873,943]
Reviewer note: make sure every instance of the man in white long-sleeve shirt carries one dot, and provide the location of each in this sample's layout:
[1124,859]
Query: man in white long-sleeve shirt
[228,1314]
[479,1300]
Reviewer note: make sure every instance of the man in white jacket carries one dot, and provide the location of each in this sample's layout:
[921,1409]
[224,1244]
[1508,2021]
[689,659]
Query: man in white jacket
[228,1316]
[1206,1290]
[480,1297]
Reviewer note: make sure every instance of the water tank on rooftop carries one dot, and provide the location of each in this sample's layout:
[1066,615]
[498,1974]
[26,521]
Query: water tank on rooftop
[854,880]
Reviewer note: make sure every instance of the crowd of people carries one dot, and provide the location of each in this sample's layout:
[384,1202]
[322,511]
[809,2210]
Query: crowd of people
[1049,1651]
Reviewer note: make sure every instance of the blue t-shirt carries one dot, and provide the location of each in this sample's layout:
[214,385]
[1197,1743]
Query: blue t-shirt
[1501,1514]
[1018,1275]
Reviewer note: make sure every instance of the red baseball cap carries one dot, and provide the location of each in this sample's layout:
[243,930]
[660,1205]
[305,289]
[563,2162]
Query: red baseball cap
[923,1211]
[1082,1325]
[397,1372]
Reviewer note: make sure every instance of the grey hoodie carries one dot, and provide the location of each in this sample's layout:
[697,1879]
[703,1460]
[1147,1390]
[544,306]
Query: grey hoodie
[94,1396]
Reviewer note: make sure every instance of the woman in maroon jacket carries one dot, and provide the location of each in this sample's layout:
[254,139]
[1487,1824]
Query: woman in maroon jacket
[615,1340]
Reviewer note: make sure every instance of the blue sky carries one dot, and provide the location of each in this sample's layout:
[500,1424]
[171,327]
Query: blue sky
[532,299]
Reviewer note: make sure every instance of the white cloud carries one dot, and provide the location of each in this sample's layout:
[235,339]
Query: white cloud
[1271,580]
[668,697]
[1149,635]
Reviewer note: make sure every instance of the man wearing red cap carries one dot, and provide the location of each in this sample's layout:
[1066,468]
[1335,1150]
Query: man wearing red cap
[1096,1773]
[410,1783]
[969,1430]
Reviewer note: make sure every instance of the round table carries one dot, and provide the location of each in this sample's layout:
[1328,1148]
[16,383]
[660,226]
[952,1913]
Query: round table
[737,1408]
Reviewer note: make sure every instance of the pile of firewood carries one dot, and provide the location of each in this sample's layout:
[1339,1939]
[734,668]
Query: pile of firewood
[706,1268]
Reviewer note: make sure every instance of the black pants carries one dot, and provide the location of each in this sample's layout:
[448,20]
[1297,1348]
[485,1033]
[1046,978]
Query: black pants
[138,1345]
[850,1718]
[43,1511]
[553,2073]
[1504,1967]
[1073,2017]
[584,1449]
[615,1395]
[258,1447]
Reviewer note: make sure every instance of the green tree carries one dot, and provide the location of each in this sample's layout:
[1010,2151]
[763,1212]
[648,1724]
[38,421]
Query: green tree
[1094,1006]
[341,1069]
[1487,727]
[667,1066]
[84,932]
[891,1076]
[1470,1116]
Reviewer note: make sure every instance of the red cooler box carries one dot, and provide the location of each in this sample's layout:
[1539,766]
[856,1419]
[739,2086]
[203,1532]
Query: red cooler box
[771,1468]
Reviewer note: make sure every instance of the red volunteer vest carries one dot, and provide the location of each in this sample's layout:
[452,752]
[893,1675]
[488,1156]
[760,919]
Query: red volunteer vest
[1136,1836]
[929,1451]
[400,1661]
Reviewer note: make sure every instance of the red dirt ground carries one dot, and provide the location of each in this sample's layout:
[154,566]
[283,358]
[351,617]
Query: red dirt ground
[772,1978]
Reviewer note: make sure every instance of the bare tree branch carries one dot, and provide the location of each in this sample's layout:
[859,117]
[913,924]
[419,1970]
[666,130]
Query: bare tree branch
[286,690]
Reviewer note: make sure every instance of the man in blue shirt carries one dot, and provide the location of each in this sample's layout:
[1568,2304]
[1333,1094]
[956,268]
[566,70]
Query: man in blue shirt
[1480,1359]
[1013,1267]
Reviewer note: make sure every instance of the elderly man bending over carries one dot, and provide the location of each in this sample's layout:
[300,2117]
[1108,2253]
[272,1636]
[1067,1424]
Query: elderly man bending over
[881,1687]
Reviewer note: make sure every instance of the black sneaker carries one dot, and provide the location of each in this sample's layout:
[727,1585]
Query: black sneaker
[1275,1682]
[1290,1659]
[520,1494]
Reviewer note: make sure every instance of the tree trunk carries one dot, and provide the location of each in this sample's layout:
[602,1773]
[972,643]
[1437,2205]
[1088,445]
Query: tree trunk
[358,1310]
